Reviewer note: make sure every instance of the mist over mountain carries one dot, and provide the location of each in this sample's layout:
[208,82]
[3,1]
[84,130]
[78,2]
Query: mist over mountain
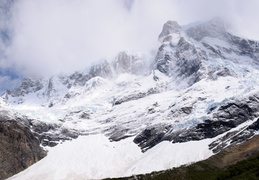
[116,88]
[51,37]
[198,91]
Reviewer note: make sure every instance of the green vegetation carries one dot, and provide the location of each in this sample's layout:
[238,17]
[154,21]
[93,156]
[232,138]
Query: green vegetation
[243,170]
[247,169]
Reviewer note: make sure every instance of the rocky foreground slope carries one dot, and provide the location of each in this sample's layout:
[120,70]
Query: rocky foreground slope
[199,92]
[19,148]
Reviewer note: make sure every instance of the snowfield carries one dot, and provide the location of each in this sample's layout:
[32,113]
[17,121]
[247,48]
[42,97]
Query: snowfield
[95,157]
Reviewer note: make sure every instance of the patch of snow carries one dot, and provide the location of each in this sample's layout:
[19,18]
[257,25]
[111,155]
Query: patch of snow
[95,157]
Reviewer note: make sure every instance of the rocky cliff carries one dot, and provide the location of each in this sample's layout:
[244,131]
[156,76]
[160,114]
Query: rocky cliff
[19,148]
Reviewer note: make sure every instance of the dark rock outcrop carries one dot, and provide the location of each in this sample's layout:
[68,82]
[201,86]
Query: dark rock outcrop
[151,136]
[19,148]
[235,137]
[225,118]
[51,134]
[137,96]
[228,116]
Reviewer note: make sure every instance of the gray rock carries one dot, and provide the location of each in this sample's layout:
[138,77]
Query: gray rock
[19,148]
[28,85]
[170,27]
[227,117]
[151,136]
[137,96]
[183,61]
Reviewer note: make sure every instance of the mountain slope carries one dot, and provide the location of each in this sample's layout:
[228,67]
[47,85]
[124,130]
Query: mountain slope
[200,90]
[19,148]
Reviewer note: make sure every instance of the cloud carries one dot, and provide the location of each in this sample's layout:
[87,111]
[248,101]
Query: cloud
[52,36]
[63,35]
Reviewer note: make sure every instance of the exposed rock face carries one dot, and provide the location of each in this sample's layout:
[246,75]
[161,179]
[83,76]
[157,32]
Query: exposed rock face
[132,97]
[183,61]
[227,117]
[178,56]
[169,28]
[28,85]
[181,57]
[151,136]
[19,148]
[49,134]
[235,137]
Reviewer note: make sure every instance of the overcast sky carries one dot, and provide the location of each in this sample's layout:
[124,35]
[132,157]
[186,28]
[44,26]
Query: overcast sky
[52,36]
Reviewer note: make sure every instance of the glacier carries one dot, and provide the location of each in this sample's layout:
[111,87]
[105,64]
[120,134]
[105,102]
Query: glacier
[136,114]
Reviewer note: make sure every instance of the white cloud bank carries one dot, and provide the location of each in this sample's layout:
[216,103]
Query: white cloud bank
[52,36]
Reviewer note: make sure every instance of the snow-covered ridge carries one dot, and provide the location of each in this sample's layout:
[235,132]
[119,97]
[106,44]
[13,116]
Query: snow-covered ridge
[200,87]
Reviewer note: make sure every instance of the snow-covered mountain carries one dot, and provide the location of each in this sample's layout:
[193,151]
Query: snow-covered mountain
[137,114]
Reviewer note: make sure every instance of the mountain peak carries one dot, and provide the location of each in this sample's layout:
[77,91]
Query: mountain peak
[201,90]
[169,28]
